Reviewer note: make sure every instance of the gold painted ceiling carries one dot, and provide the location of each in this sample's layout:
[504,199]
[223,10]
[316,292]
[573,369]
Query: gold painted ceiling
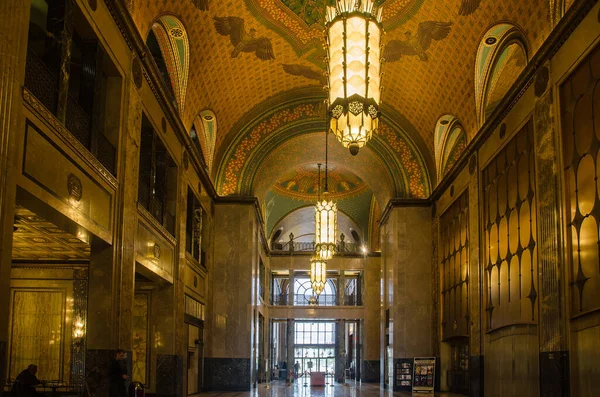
[437,79]
[36,239]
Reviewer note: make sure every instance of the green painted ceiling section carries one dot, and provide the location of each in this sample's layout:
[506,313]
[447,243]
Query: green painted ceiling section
[279,206]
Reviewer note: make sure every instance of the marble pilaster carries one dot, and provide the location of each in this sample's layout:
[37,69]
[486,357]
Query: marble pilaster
[476,361]
[291,286]
[340,349]
[290,348]
[341,289]
[230,303]
[406,253]
[554,355]
[128,192]
[13,47]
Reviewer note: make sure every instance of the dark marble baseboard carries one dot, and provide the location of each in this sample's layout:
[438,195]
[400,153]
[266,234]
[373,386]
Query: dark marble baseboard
[169,375]
[3,366]
[555,378]
[476,376]
[96,369]
[371,371]
[227,374]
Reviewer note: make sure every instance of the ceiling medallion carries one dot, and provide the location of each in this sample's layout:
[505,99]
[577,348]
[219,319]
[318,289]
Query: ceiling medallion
[353,45]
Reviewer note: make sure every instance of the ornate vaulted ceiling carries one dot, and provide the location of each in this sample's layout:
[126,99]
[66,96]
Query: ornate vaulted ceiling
[267,102]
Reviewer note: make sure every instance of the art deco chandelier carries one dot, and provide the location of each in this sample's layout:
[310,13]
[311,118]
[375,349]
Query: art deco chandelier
[353,45]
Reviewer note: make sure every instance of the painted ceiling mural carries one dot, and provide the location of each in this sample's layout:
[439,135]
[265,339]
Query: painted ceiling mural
[302,183]
[266,137]
[301,22]
[280,52]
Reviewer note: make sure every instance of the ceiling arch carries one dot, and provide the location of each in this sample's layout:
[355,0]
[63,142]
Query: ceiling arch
[392,151]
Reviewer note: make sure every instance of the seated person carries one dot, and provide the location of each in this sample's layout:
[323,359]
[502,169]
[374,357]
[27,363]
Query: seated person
[26,382]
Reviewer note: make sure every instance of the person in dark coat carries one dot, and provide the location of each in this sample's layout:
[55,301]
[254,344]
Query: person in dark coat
[117,375]
[27,381]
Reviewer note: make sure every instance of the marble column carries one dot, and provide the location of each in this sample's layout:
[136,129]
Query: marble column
[407,256]
[341,289]
[291,281]
[476,362]
[112,269]
[554,354]
[168,366]
[340,351]
[290,329]
[370,330]
[13,47]
[102,322]
[231,299]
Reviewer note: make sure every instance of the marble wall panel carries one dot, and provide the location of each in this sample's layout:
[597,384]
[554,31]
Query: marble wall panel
[49,167]
[412,295]
[154,252]
[231,293]
[139,354]
[370,371]
[227,374]
[96,368]
[169,375]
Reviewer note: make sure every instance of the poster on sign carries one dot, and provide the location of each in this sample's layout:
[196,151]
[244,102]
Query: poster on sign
[423,375]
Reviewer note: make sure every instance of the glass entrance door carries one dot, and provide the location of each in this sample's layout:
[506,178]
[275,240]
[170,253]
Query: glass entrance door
[315,347]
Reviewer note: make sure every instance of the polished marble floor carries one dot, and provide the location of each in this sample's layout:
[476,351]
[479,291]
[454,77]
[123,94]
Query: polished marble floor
[279,389]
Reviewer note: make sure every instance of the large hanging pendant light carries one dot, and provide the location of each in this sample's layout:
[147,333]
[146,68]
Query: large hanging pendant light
[318,275]
[325,218]
[353,34]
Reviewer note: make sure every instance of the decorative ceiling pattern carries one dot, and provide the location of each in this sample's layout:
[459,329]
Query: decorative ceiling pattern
[36,239]
[419,89]
[302,183]
[175,48]
[391,152]
[301,22]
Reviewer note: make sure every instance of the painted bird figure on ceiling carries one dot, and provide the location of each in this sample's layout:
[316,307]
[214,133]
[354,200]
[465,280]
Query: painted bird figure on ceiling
[419,43]
[244,41]
[467,7]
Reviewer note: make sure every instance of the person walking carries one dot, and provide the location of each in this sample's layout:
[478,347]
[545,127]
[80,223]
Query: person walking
[117,375]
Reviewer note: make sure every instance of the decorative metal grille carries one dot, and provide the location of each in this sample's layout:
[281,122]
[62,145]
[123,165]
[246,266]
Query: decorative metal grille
[42,83]
[454,250]
[509,220]
[78,122]
[580,109]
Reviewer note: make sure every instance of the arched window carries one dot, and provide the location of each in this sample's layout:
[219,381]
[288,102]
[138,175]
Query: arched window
[303,293]
[168,43]
[450,142]
[204,135]
[501,57]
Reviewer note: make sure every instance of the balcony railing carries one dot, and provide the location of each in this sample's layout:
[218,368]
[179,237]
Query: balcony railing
[293,246]
[41,82]
[323,300]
